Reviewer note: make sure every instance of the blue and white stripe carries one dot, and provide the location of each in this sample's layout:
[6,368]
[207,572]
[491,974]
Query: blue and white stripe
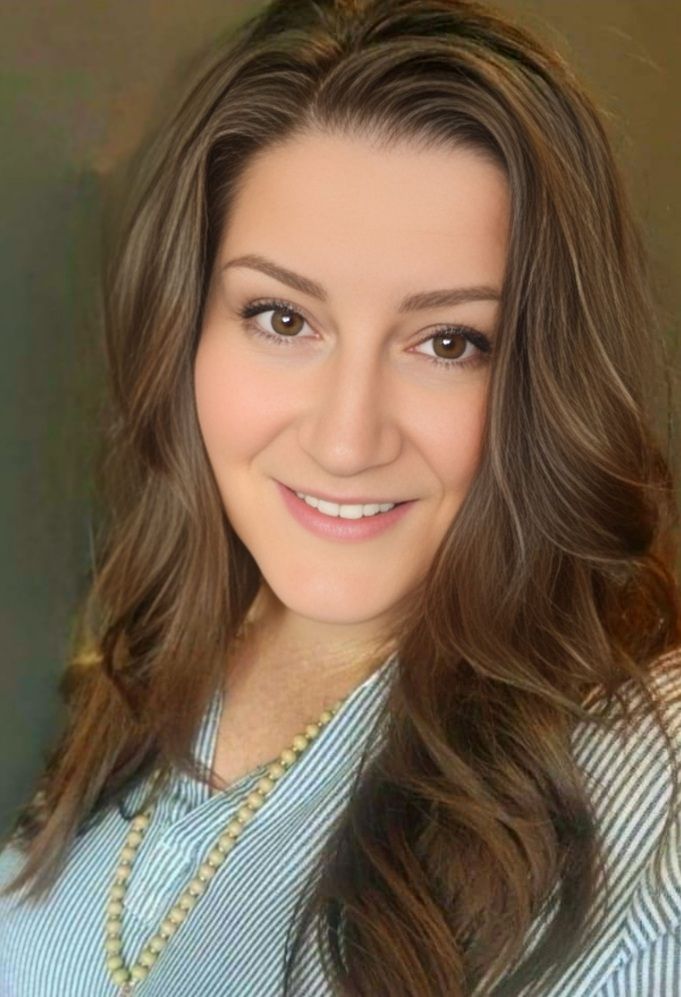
[232,944]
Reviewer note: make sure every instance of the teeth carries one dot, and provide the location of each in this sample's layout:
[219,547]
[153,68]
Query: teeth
[345,511]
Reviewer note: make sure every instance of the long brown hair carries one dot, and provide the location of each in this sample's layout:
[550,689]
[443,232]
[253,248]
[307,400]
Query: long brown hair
[556,582]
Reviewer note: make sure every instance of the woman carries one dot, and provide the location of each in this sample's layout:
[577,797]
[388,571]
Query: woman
[377,688]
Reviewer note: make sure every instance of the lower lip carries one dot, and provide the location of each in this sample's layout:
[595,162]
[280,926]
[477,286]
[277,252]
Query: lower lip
[337,528]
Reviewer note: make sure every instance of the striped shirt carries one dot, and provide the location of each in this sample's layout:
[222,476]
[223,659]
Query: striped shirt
[232,944]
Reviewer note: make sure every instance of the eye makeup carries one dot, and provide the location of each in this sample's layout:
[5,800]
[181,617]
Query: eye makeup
[478,340]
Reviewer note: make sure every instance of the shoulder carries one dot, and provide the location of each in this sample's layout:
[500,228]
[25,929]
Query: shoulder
[11,863]
[621,755]
[629,772]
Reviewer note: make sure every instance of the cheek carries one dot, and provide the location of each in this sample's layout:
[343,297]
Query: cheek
[454,440]
[232,418]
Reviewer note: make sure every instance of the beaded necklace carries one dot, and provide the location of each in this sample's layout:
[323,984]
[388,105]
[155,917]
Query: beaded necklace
[127,978]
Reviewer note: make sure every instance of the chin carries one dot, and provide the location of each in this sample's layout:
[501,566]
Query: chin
[333,603]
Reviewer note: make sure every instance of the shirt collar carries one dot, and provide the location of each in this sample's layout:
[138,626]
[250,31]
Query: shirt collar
[191,793]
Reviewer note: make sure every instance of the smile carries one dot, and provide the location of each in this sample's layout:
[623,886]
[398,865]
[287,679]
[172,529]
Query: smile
[337,521]
[346,511]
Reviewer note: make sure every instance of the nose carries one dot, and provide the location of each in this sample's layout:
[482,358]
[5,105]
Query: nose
[350,423]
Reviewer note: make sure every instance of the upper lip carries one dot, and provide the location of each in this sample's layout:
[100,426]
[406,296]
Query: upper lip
[352,500]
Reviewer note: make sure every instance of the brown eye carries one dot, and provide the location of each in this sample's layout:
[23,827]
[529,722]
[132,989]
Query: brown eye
[453,344]
[290,322]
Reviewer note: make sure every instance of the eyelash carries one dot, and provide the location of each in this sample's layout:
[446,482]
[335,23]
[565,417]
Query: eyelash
[477,339]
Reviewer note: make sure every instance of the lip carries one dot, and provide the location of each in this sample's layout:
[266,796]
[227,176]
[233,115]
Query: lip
[337,528]
[343,501]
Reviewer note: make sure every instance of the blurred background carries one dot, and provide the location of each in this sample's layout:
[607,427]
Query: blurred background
[79,82]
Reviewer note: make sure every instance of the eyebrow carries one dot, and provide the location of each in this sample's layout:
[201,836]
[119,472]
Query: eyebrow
[412,302]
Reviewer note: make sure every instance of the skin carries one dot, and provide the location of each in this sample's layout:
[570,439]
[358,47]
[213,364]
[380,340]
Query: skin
[353,406]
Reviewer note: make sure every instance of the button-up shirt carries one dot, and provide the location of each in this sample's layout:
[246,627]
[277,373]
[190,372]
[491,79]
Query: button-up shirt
[232,944]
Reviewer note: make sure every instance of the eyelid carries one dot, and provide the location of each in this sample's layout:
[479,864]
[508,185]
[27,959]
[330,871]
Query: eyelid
[271,304]
[479,339]
[482,344]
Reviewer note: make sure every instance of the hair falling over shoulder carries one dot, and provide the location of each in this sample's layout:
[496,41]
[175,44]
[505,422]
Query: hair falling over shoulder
[473,815]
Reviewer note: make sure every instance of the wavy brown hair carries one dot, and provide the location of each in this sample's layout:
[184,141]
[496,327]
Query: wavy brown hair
[474,811]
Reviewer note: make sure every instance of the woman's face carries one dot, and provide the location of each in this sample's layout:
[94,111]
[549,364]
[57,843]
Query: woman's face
[333,389]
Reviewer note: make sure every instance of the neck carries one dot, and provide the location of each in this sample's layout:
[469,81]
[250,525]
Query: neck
[278,645]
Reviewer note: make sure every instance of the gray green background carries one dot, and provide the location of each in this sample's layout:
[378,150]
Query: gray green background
[78,83]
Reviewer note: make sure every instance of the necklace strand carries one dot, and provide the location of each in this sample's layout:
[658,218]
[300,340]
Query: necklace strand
[127,978]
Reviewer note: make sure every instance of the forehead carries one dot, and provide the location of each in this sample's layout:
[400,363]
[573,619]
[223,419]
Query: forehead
[342,205]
